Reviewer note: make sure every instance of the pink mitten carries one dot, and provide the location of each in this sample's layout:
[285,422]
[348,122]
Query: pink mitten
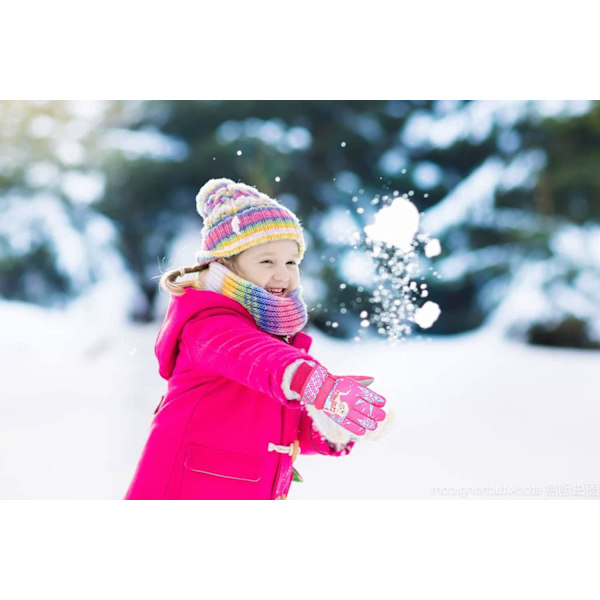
[342,399]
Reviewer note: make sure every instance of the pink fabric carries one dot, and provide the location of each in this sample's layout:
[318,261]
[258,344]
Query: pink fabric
[223,406]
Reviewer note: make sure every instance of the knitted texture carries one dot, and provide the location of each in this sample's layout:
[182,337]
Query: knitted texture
[314,384]
[237,216]
[274,314]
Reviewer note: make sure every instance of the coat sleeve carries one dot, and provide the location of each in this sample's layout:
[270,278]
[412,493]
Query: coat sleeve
[312,441]
[222,341]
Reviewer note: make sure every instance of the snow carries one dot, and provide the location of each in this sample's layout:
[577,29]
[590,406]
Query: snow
[42,173]
[356,267]
[427,175]
[395,225]
[469,412]
[472,415]
[475,192]
[395,248]
[81,254]
[475,120]
[147,142]
[338,227]
[392,161]
[473,197]
[540,289]
[432,248]
[425,316]
[83,188]
[272,132]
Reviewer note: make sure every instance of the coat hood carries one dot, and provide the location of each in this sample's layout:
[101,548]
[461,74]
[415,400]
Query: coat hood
[188,306]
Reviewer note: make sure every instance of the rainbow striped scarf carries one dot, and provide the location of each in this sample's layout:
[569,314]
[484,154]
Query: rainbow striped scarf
[280,316]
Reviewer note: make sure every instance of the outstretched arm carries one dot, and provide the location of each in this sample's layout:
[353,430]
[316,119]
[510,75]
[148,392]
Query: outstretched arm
[226,343]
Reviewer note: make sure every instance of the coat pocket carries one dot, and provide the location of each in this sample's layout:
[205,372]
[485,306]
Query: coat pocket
[213,473]
[224,463]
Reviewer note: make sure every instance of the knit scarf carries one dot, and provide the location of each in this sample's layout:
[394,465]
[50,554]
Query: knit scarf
[274,314]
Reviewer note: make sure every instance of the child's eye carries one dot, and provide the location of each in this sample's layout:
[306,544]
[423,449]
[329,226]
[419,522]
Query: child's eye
[265,261]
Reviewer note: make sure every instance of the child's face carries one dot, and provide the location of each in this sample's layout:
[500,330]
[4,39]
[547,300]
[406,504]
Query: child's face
[270,265]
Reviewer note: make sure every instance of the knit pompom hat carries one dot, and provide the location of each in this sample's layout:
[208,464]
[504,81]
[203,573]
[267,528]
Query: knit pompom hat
[237,216]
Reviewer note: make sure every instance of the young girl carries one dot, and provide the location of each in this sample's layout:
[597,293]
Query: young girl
[244,397]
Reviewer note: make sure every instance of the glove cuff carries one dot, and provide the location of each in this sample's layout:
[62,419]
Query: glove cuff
[300,377]
[313,384]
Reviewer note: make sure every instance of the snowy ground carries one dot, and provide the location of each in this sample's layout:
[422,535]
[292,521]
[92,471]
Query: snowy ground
[473,415]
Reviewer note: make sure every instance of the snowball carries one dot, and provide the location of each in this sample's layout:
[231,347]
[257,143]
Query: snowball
[427,315]
[432,248]
[395,225]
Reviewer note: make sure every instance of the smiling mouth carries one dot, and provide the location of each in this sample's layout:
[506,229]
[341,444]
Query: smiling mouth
[276,291]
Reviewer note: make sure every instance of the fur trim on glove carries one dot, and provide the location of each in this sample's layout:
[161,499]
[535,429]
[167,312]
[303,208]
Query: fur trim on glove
[336,434]
[329,429]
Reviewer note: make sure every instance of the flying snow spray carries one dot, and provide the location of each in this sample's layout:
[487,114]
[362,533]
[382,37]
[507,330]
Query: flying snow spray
[398,251]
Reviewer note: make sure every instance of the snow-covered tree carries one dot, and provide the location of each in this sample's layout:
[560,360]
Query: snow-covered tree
[90,189]
[53,243]
[520,230]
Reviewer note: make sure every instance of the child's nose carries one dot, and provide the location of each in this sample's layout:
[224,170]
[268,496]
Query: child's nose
[281,275]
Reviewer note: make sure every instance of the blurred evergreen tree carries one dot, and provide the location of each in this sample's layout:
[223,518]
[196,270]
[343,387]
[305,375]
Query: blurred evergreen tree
[51,238]
[498,183]
[566,198]
[513,190]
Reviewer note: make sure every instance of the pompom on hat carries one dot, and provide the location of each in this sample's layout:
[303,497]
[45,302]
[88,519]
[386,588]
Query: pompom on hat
[237,216]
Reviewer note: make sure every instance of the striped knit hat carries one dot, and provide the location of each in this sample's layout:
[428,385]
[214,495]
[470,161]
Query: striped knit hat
[237,216]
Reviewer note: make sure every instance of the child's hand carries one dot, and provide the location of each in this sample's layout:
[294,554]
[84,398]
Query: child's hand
[342,399]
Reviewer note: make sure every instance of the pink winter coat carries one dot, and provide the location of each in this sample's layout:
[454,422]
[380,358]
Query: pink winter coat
[224,412]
